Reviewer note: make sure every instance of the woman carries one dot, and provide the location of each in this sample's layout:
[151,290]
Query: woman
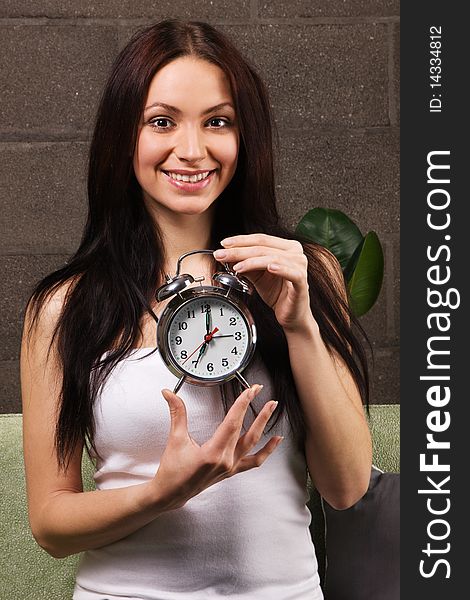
[180,510]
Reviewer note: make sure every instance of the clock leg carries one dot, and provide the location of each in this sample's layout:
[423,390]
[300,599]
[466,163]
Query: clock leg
[179,384]
[242,380]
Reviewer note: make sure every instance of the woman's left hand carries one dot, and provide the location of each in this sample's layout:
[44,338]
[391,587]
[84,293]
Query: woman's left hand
[278,270]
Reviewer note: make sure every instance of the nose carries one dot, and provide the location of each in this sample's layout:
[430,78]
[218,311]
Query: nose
[190,144]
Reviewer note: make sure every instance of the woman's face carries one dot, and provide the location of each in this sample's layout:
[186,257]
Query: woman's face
[188,129]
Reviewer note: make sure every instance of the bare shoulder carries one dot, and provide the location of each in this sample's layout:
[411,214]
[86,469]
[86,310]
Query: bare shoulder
[39,365]
[40,320]
[41,384]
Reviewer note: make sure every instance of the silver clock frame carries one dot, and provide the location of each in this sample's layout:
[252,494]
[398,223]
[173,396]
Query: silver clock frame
[177,303]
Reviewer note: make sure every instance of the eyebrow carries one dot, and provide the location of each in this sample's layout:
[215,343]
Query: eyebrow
[177,111]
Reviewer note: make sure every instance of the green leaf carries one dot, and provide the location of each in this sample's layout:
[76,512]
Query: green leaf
[332,229]
[366,280]
[352,262]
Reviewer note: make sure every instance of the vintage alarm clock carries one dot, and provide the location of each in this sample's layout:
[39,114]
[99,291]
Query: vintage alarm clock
[206,335]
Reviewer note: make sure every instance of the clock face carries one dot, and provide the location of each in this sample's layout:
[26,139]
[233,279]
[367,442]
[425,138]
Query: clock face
[209,338]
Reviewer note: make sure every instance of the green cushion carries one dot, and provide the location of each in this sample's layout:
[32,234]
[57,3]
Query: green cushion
[385,429]
[29,573]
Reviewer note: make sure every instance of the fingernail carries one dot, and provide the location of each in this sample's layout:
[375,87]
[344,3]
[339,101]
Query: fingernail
[256,389]
[226,242]
[220,254]
[274,406]
[280,440]
[274,267]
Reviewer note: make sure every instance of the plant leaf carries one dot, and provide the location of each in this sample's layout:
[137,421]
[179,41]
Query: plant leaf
[332,229]
[352,262]
[366,280]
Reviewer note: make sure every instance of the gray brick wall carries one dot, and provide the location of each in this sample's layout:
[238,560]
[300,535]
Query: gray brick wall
[332,68]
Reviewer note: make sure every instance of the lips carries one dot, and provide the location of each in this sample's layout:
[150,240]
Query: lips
[188,173]
[187,185]
[191,177]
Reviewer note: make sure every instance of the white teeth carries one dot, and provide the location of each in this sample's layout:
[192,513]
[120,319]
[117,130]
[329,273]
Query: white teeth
[188,178]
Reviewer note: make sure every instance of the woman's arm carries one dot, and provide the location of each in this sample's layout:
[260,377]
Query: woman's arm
[338,443]
[64,519]
[338,439]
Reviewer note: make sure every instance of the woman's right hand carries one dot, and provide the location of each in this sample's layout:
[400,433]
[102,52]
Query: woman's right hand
[186,469]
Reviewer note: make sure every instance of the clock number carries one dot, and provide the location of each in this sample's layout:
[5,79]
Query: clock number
[183,325]
[184,354]
[238,335]
[178,340]
[205,308]
[191,314]
[210,367]
[221,311]
[234,350]
[225,362]
[233,321]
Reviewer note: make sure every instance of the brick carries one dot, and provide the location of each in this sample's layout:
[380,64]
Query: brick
[356,172]
[19,275]
[385,377]
[326,8]
[395,289]
[198,9]
[52,76]
[44,202]
[396,73]
[320,74]
[10,394]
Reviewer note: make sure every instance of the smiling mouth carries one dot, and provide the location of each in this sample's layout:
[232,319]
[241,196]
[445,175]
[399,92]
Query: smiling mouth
[189,178]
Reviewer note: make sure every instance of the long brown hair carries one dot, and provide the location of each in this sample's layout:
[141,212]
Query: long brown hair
[119,262]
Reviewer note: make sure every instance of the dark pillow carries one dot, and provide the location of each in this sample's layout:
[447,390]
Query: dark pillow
[363,544]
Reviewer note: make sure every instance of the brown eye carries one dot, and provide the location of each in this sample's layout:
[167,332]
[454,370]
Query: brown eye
[219,123]
[160,122]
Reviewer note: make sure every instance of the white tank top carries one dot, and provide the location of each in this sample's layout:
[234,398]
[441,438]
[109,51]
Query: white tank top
[245,537]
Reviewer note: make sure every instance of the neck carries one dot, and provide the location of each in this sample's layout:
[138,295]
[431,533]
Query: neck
[184,233]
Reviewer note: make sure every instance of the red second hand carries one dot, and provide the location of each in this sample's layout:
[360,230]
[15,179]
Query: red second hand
[207,338]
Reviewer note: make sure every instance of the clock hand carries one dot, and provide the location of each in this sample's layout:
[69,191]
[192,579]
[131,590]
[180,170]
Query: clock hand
[208,321]
[218,336]
[201,352]
[202,344]
[207,338]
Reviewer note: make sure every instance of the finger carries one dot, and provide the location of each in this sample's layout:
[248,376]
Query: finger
[228,432]
[261,239]
[257,459]
[296,273]
[256,263]
[241,253]
[179,418]
[296,277]
[249,439]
